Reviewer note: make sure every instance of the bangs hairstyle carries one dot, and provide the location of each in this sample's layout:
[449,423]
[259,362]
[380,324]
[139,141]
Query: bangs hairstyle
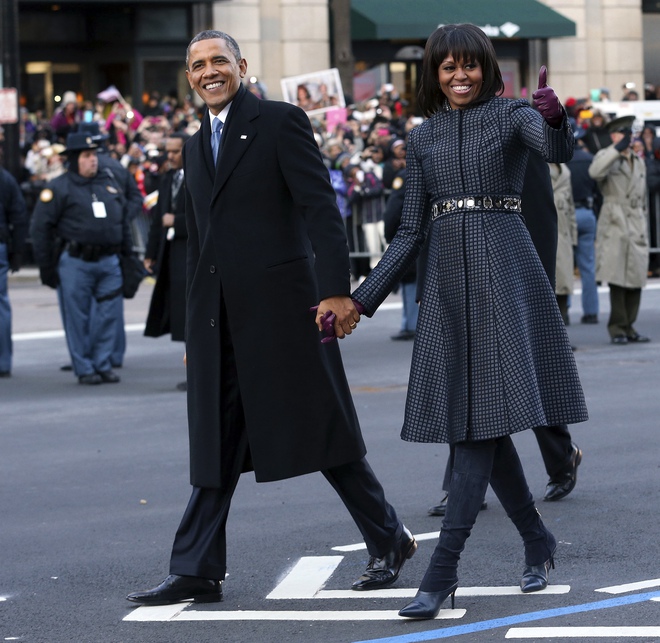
[465,43]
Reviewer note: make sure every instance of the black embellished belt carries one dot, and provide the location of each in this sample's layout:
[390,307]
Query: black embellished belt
[444,206]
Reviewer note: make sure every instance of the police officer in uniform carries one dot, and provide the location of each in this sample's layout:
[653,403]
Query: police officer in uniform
[79,228]
[129,189]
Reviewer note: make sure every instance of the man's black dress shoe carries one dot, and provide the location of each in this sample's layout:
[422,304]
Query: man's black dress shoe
[535,577]
[639,339]
[440,509]
[66,367]
[589,319]
[620,340]
[382,572]
[177,589]
[92,378]
[109,377]
[563,483]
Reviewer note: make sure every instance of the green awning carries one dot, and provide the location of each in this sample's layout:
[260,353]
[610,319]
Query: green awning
[416,19]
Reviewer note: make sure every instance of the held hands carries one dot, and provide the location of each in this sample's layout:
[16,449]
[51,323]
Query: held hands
[546,101]
[337,317]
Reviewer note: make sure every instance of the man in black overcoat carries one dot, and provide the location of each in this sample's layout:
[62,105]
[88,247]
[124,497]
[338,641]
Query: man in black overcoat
[265,243]
[165,255]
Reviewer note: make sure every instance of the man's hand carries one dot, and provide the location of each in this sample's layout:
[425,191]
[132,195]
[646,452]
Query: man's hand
[168,220]
[337,316]
[148,265]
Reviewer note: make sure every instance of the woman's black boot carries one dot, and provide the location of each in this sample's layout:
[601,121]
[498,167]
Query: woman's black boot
[469,480]
[427,604]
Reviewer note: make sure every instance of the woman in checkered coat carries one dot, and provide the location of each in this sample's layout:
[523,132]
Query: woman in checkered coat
[491,354]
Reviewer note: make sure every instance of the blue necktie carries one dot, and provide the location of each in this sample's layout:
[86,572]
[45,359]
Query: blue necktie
[215,138]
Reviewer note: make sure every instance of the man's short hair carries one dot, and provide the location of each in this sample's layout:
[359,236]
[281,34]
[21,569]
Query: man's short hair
[209,35]
[183,136]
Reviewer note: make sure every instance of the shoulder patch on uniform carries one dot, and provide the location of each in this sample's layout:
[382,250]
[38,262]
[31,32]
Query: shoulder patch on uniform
[397,184]
[111,189]
[46,195]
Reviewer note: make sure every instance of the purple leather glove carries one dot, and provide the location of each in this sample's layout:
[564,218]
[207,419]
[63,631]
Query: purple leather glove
[358,306]
[328,324]
[546,101]
[328,321]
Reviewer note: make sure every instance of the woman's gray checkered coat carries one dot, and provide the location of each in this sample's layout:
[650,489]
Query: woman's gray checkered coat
[491,354]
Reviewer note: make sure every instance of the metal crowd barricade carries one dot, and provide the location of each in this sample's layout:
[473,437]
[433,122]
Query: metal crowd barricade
[356,241]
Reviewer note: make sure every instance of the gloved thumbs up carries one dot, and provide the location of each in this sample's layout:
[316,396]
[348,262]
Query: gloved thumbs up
[546,101]
[543,77]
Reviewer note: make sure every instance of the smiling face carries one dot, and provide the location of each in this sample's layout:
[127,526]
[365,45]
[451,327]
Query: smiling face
[214,73]
[460,81]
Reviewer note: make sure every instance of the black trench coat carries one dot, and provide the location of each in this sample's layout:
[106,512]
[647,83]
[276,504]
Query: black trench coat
[167,310]
[265,236]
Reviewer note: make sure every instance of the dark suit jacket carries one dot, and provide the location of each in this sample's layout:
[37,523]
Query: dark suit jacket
[266,238]
[167,311]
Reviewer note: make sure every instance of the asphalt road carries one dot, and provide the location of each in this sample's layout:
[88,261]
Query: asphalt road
[93,482]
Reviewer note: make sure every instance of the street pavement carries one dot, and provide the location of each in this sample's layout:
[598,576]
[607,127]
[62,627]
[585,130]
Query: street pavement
[93,482]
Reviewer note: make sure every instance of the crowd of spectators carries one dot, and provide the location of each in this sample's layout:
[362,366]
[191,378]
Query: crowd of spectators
[364,151]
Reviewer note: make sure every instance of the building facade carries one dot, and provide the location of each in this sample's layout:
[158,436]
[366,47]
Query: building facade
[86,46]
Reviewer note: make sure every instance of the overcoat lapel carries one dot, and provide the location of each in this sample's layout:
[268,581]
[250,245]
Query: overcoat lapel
[237,136]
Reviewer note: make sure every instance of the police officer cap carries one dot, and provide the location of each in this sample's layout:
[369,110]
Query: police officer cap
[621,124]
[92,129]
[79,141]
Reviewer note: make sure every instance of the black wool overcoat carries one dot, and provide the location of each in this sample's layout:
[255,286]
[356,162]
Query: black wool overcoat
[265,236]
[167,310]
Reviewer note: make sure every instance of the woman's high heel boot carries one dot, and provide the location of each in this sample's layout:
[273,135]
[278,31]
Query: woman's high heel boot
[427,605]
[469,481]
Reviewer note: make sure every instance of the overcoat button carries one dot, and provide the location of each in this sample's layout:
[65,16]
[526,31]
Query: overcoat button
[213,323]
[212,270]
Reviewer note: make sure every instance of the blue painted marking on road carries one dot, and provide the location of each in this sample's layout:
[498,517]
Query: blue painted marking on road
[434,635]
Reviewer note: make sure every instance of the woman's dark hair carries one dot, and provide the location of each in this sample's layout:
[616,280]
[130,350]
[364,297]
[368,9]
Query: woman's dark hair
[465,43]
